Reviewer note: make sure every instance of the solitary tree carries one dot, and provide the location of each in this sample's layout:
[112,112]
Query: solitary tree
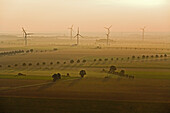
[56,77]
[82,73]
[112,69]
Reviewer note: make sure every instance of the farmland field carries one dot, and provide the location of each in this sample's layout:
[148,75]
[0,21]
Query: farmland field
[99,91]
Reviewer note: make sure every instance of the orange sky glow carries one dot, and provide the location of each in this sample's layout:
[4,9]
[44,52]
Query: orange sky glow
[89,15]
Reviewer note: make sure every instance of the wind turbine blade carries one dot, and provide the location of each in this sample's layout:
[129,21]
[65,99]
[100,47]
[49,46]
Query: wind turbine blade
[110,26]
[81,36]
[24,31]
[105,27]
[75,36]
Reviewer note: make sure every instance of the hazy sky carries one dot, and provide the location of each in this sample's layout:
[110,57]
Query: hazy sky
[89,15]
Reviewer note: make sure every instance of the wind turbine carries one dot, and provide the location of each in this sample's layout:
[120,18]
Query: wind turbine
[71,32]
[25,35]
[108,33]
[143,32]
[78,36]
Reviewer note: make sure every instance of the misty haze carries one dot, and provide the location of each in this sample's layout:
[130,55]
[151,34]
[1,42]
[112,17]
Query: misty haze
[84,56]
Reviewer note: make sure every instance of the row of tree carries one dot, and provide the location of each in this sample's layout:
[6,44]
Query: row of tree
[133,57]
[141,48]
[44,63]
[113,69]
[58,76]
[15,52]
[84,61]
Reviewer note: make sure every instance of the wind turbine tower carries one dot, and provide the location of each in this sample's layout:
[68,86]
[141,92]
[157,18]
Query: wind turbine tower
[143,32]
[108,33]
[71,32]
[78,36]
[25,35]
